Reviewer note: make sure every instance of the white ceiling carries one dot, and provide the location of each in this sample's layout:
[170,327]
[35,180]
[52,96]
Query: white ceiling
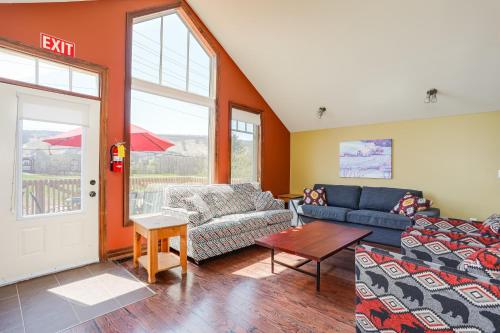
[366,61]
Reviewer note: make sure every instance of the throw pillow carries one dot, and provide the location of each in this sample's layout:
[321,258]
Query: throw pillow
[196,203]
[410,204]
[484,262]
[491,226]
[265,201]
[315,197]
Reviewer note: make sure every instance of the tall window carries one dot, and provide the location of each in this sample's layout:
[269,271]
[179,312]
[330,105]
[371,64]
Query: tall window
[171,112]
[245,146]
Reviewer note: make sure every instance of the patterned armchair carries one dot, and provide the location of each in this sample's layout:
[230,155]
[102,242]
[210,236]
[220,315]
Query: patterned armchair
[445,241]
[396,293]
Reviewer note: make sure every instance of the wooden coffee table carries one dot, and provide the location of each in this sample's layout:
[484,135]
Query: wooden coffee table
[314,241]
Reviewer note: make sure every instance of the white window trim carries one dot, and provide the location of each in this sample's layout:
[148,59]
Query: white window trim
[56,63]
[156,89]
[255,119]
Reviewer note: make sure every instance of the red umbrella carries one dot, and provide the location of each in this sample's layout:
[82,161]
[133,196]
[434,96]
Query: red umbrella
[140,140]
[71,138]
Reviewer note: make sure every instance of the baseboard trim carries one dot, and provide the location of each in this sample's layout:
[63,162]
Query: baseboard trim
[124,252]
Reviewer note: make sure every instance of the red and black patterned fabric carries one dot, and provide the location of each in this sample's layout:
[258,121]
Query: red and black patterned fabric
[395,293]
[315,197]
[485,262]
[436,249]
[444,223]
[491,226]
[474,239]
[410,204]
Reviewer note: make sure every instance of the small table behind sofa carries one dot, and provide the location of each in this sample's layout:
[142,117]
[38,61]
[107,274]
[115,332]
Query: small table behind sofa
[364,207]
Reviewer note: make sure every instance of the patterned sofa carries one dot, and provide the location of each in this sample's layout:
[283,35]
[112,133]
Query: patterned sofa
[445,241]
[235,222]
[401,293]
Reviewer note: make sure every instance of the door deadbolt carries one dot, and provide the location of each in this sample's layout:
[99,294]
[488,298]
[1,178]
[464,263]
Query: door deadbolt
[92,194]
[92,182]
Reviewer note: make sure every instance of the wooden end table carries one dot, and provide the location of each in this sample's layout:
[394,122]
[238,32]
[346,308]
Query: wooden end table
[155,228]
[315,241]
[287,197]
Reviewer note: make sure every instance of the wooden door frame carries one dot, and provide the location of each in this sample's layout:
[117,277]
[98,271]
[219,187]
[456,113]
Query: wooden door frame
[102,71]
[250,109]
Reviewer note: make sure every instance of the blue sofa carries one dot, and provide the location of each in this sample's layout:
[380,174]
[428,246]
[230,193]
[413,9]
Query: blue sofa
[363,207]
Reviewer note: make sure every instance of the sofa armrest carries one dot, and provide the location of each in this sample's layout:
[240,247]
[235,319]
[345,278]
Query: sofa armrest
[401,294]
[193,219]
[280,203]
[431,212]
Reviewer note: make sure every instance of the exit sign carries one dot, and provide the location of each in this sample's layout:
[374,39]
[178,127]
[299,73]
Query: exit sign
[57,45]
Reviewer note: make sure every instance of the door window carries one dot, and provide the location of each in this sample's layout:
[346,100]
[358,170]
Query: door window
[51,151]
[51,172]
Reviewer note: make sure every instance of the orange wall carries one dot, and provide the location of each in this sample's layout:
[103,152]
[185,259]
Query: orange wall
[98,29]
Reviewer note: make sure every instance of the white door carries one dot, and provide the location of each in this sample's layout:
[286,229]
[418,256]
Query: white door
[49,182]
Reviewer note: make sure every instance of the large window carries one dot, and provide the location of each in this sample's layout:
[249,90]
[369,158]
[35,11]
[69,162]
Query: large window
[171,111]
[245,146]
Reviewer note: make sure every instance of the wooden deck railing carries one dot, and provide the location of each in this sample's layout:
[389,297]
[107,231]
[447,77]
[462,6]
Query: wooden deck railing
[46,196]
[138,184]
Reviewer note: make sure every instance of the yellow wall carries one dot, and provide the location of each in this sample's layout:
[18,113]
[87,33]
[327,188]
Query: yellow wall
[453,160]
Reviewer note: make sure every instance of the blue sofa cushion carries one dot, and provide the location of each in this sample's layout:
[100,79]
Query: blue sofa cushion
[379,219]
[341,195]
[325,212]
[382,199]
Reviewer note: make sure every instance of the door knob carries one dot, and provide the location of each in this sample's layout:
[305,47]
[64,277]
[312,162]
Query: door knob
[92,194]
[92,182]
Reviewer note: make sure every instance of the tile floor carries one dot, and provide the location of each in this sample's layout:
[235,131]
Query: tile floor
[58,301]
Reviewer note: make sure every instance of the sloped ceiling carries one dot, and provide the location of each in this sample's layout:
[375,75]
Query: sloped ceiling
[366,61]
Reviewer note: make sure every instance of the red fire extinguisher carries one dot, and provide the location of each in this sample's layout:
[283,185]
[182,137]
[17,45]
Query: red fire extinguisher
[117,152]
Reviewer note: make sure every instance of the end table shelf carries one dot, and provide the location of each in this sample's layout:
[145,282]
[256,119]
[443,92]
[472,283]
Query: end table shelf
[166,261]
[156,228]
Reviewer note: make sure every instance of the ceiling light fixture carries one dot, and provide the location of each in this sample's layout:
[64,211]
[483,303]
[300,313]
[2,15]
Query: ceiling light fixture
[431,96]
[321,111]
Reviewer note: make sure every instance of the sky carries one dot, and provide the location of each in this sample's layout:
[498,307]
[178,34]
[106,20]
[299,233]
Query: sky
[163,115]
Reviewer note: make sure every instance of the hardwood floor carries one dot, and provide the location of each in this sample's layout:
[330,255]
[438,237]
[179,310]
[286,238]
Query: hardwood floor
[238,293]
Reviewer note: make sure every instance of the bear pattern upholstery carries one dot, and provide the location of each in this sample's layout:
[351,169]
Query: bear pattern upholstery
[443,246]
[395,293]
[438,250]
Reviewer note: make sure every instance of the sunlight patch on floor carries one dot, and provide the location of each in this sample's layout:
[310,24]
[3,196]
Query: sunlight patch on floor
[97,289]
[262,269]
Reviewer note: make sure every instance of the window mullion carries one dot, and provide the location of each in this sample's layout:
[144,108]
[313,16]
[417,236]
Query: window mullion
[160,90]
[37,71]
[70,74]
[188,59]
[160,76]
